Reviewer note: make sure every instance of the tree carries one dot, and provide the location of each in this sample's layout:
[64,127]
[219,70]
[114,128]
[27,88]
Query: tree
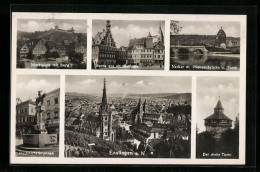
[47,54]
[76,57]
[205,143]
[55,54]
[20,64]
[229,142]
[175,29]
[162,150]
[30,55]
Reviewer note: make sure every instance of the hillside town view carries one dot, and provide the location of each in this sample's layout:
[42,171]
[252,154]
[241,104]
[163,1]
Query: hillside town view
[128,45]
[211,46]
[59,46]
[107,123]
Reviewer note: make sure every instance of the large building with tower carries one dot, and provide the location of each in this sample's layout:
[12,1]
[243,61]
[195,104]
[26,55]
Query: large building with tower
[104,47]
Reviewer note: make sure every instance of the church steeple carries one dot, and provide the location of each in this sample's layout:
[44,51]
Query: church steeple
[161,34]
[104,97]
[108,26]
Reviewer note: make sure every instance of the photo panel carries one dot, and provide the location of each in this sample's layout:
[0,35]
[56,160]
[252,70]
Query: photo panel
[128,44]
[205,45]
[51,43]
[217,126]
[127,117]
[37,116]
[191,112]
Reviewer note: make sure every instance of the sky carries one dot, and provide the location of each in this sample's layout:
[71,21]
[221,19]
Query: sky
[32,25]
[210,90]
[210,27]
[128,84]
[122,30]
[27,86]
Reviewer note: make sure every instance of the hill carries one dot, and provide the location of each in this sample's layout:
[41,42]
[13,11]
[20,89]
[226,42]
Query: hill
[74,96]
[56,36]
[172,96]
[175,96]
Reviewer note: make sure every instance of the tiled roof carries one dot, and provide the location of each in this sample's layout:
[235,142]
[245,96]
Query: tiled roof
[70,121]
[32,43]
[92,118]
[147,42]
[218,116]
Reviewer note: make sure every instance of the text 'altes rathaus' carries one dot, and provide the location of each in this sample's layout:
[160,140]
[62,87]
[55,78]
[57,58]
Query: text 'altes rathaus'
[148,50]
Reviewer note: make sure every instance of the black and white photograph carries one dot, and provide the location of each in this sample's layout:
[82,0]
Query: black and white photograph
[128,88]
[217,118]
[51,43]
[128,44]
[128,116]
[37,116]
[205,45]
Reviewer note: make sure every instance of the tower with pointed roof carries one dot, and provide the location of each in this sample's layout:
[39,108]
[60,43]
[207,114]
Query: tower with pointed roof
[220,37]
[161,35]
[106,131]
[218,122]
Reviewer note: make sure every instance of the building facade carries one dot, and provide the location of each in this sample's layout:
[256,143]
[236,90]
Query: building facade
[25,117]
[34,46]
[104,47]
[51,114]
[218,122]
[140,51]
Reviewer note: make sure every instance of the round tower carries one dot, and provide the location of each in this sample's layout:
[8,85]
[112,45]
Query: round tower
[221,37]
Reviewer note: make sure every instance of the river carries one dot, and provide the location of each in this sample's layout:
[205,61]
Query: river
[222,62]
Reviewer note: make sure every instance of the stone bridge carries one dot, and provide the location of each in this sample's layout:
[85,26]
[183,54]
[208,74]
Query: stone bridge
[187,49]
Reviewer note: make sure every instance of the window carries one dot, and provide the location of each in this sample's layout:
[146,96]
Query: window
[56,100]
[48,115]
[32,110]
[32,119]
[48,103]
[25,119]
[56,114]
[25,110]
[105,118]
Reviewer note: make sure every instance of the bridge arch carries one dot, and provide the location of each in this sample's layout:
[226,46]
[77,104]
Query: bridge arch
[183,51]
[198,52]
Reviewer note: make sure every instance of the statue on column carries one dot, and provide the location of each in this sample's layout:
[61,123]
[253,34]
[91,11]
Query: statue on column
[40,126]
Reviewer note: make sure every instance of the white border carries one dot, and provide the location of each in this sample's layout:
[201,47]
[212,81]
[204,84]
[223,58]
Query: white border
[166,72]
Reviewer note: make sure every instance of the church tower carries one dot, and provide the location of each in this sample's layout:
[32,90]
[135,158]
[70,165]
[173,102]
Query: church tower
[105,115]
[109,38]
[161,35]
